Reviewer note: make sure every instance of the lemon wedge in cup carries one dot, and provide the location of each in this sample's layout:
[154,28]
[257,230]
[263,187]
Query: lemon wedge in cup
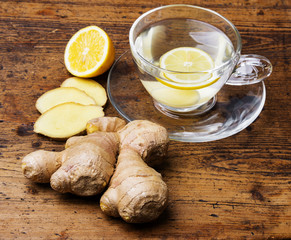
[172,97]
[189,68]
[89,53]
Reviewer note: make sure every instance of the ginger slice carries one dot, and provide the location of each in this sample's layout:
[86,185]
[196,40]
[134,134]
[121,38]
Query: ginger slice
[66,119]
[62,95]
[89,86]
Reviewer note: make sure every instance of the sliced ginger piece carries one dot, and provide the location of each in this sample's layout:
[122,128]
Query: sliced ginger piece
[89,86]
[66,119]
[62,95]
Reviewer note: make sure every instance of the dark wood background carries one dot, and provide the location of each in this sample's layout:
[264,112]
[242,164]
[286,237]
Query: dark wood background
[235,188]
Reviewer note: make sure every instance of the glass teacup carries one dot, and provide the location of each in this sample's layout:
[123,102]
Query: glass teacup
[185,54]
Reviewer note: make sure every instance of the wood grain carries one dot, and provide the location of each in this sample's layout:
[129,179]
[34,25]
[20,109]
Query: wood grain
[235,188]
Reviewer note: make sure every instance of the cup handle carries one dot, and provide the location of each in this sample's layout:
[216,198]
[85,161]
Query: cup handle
[250,69]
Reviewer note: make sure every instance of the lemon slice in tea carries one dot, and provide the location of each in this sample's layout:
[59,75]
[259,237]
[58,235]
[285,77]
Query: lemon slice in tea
[192,66]
[176,98]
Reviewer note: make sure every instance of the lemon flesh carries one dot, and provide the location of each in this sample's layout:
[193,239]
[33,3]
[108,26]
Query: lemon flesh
[89,53]
[171,97]
[190,68]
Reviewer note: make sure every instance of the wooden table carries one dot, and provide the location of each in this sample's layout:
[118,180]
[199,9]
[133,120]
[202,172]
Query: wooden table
[234,188]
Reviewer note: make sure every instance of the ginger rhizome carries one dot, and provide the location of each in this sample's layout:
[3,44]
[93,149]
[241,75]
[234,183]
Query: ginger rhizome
[105,124]
[83,168]
[136,191]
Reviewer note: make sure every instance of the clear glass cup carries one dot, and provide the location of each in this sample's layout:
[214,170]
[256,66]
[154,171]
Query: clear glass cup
[186,93]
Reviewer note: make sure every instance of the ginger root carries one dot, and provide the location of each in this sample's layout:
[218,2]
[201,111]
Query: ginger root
[149,139]
[38,166]
[105,124]
[136,191]
[83,168]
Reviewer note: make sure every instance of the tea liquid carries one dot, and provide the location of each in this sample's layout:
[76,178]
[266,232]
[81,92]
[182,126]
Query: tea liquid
[168,34]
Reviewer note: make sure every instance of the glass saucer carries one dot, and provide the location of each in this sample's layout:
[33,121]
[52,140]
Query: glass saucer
[236,107]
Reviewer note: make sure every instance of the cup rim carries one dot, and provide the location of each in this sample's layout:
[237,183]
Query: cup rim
[133,49]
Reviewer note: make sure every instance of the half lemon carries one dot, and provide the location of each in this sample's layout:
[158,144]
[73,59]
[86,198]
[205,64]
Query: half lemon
[189,68]
[89,53]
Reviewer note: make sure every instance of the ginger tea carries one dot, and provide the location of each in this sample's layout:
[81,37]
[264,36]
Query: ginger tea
[192,50]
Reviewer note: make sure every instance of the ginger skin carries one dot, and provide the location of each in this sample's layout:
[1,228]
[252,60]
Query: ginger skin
[87,165]
[136,191]
[105,124]
[149,139]
[40,171]
[84,168]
